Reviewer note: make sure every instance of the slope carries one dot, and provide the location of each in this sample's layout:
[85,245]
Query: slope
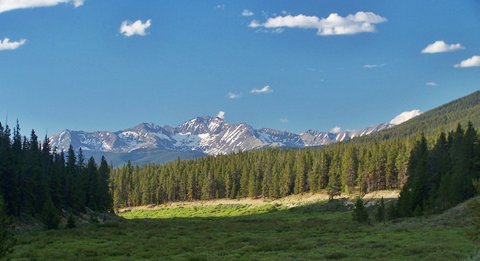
[443,118]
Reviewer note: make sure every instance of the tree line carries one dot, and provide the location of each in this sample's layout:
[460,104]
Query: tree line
[442,175]
[37,182]
[351,167]
[269,173]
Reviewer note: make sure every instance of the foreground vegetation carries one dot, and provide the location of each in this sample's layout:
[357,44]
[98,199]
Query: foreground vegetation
[319,231]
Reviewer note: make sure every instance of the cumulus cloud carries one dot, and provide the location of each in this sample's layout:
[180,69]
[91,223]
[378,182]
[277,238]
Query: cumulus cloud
[284,120]
[265,89]
[405,116]
[9,5]
[247,12]
[336,129]
[233,95]
[474,61]
[442,47]
[433,84]
[136,28]
[220,6]
[334,24]
[373,66]
[6,44]
[221,115]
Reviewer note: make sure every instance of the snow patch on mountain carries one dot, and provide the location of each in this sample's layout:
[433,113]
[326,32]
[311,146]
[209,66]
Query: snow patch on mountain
[405,116]
[210,135]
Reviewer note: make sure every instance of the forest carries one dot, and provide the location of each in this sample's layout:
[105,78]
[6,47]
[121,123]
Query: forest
[37,182]
[435,173]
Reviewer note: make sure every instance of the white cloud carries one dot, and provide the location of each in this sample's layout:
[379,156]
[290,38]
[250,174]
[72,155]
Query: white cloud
[234,95]
[373,66]
[136,28]
[405,116]
[336,129]
[284,120]
[6,44]
[220,6]
[442,47]
[474,61]
[221,115]
[247,12]
[433,84]
[265,89]
[334,24]
[9,5]
[78,3]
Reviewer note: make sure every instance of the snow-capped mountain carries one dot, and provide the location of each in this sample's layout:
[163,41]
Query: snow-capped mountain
[208,135]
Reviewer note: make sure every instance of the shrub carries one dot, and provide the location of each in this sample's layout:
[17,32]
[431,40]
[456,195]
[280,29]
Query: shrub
[7,241]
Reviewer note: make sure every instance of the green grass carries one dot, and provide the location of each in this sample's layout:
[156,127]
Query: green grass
[238,232]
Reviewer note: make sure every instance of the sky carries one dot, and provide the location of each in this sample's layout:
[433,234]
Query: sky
[291,65]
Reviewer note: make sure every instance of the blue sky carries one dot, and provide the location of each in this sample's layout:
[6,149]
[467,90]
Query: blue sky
[68,65]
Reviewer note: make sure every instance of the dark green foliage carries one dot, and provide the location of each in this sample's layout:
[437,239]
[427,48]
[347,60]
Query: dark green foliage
[441,177]
[391,211]
[7,241]
[71,221]
[475,209]
[49,215]
[36,182]
[359,213]
[380,212]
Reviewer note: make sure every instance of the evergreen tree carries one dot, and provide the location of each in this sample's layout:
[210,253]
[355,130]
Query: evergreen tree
[350,169]
[414,193]
[391,211]
[360,214]
[380,212]
[49,215]
[71,221]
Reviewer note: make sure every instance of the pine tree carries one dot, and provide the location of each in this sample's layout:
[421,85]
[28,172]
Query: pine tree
[391,211]
[380,213]
[91,185]
[103,195]
[360,214]
[49,215]
[415,191]
[71,221]
[350,169]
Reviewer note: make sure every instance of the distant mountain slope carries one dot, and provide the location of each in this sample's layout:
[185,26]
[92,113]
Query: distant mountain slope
[142,158]
[445,117]
[196,137]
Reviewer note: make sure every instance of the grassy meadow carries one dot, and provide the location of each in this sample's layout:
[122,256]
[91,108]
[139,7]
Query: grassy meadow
[318,231]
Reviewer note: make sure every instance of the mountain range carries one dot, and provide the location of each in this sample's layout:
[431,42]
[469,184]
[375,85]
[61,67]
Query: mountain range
[197,137]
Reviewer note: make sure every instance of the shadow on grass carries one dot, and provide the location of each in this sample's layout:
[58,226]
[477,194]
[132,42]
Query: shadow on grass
[318,231]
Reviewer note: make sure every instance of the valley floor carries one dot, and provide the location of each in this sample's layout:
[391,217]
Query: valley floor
[313,231]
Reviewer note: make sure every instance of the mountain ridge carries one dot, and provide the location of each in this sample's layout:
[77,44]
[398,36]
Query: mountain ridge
[205,134]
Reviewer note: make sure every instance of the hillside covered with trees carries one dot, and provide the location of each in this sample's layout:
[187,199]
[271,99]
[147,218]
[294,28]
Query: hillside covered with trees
[444,118]
[362,165]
